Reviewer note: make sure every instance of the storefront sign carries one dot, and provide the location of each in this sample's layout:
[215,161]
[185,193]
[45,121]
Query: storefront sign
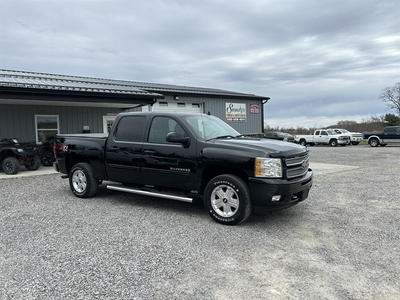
[254,108]
[236,112]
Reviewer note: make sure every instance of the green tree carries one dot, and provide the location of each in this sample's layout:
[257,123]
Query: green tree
[392,120]
[391,95]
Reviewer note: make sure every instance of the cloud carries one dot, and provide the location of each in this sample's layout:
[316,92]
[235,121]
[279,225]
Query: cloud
[322,61]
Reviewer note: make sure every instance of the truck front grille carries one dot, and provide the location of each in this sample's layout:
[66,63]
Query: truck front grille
[297,166]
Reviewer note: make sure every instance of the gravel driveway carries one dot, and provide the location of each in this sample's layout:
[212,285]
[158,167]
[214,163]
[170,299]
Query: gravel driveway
[341,243]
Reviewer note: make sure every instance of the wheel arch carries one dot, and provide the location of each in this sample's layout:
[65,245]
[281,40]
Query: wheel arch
[74,159]
[211,172]
[374,137]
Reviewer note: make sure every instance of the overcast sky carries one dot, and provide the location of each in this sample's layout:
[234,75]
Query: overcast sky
[320,61]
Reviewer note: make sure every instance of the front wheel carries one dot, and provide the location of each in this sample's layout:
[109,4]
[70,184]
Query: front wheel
[333,143]
[82,181]
[227,199]
[10,165]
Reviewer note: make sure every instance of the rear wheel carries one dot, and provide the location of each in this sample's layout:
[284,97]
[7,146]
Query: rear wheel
[10,165]
[47,158]
[32,163]
[374,142]
[82,181]
[227,199]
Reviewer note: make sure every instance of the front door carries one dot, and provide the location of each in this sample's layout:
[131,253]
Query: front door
[322,137]
[168,164]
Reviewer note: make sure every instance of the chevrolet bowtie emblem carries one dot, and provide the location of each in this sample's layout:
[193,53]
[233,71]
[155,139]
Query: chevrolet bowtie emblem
[304,164]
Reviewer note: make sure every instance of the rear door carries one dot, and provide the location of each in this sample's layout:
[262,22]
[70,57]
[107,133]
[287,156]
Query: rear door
[124,149]
[391,134]
[168,164]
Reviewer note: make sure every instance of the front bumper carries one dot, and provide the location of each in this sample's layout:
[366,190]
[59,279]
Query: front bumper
[291,192]
[343,142]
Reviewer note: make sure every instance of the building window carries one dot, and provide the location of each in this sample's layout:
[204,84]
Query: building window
[47,126]
[108,122]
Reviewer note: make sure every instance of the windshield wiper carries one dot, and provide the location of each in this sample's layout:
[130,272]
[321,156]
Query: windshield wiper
[226,136]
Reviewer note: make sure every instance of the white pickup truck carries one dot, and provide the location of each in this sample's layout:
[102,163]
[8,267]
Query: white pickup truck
[355,137]
[324,137]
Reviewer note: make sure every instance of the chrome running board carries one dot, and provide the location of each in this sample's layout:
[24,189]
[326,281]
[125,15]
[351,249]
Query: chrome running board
[148,193]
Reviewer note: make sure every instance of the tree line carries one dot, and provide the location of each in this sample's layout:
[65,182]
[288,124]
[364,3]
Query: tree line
[390,95]
[373,123]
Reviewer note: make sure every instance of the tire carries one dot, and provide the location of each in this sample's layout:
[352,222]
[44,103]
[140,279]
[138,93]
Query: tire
[303,142]
[10,165]
[355,143]
[333,142]
[32,163]
[82,181]
[374,142]
[47,158]
[227,199]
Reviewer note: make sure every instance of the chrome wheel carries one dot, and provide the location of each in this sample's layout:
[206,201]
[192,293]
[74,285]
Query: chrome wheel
[224,201]
[79,181]
[374,142]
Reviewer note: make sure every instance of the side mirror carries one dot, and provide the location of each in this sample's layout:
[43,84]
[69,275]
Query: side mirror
[178,138]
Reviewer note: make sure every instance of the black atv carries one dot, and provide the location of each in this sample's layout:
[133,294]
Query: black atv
[14,154]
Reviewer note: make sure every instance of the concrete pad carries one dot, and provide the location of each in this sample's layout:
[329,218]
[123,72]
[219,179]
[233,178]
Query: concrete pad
[25,173]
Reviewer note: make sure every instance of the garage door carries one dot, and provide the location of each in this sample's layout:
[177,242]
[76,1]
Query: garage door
[177,106]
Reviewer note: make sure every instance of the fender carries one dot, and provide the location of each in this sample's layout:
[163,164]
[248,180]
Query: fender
[376,137]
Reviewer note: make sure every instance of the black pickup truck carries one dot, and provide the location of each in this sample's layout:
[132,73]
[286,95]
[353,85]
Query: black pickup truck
[186,157]
[390,134]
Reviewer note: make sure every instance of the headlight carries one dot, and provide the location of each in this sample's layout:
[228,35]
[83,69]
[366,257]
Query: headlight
[268,167]
[20,150]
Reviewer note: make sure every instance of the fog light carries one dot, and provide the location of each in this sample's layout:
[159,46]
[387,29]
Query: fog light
[276,198]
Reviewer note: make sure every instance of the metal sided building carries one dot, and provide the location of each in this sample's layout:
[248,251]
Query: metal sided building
[36,106]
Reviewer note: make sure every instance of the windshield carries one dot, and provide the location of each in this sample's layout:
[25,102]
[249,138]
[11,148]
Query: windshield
[332,132]
[345,131]
[210,127]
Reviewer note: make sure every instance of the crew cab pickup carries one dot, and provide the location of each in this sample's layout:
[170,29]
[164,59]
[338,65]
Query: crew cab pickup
[390,134]
[323,136]
[187,157]
[355,137]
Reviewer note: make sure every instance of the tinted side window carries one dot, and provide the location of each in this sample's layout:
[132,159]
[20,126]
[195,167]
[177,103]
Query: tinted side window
[390,130]
[130,128]
[324,133]
[160,127]
[317,132]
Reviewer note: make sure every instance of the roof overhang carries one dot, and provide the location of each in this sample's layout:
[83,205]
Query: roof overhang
[33,96]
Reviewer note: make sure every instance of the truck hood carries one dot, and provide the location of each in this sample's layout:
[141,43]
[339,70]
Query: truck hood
[260,147]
